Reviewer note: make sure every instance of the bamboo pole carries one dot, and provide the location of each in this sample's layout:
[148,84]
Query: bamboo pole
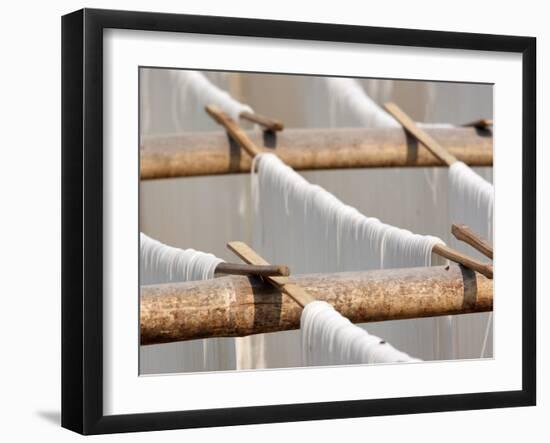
[237,306]
[208,153]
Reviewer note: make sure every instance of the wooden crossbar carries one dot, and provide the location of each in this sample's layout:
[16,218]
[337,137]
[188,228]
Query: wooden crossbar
[266,122]
[247,254]
[453,255]
[466,234]
[482,123]
[234,130]
[246,269]
[421,135]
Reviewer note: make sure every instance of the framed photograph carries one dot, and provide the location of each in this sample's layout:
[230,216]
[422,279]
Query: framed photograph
[269,221]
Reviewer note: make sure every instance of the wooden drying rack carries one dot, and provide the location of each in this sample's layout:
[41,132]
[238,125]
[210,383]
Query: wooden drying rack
[242,139]
[362,297]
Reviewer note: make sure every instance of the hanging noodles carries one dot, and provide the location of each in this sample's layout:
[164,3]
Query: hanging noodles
[160,263]
[349,99]
[193,83]
[328,338]
[471,200]
[316,232]
[470,196]
[347,94]
[387,242]
[196,91]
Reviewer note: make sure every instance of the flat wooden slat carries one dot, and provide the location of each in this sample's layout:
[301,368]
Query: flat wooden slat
[482,123]
[246,269]
[467,235]
[421,135]
[248,255]
[234,130]
[457,257]
[266,122]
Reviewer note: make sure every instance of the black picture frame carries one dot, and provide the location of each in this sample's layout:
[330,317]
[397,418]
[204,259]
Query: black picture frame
[82,218]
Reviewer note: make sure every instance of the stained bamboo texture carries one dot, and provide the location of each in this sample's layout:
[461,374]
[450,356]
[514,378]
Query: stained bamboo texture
[209,153]
[239,306]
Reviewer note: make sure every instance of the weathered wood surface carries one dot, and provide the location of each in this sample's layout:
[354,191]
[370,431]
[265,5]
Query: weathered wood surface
[233,129]
[422,136]
[247,254]
[464,233]
[245,269]
[239,306]
[458,257]
[210,153]
[267,123]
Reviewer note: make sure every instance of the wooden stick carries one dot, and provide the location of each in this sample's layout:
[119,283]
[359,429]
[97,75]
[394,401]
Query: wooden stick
[237,306]
[244,269]
[248,255]
[266,122]
[234,130]
[208,153]
[465,234]
[482,123]
[421,135]
[451,254]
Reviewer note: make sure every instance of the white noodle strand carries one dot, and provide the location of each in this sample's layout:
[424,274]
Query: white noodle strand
[316,232]
[160,263]
[328,338]
[205,93]
[311,230]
